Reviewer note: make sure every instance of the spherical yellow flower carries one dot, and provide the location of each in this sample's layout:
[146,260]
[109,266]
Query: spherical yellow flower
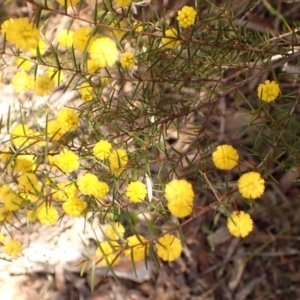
[55,74]
[117,161]
[43,85]
[12,247]
[28,182]
[268,91]
[170,41]
[240,224]
[20,135]
[24,163]
[136,191]
[41,47]
[116,32]
[65,38]
[68,119]
[86,92]
[168,247]
[67,161]
[225,157]
[104,52]
[47,214]
[68,2]
[180,209]
[108,253]
[12,201]
[82,39]
[65,190]
[123,3]
[31,215]
[5,215]
[21,82]
[102,149]
[101,190]
[23,64]
[179,191]
[21,32]
[92,66]
[74,207]
[251,185]
[137,248]
[114,231]
[88,184]
[186,16]
[54,131]
[127,60]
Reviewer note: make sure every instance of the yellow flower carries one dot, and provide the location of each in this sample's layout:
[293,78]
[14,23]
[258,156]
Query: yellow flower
[12,247]
[12,202]
[268,91]
[119,33]
[251,185]
[65,191]
[86,91]
[123,3]
[127,60]
[41,46]
[168,247]
[240,224]
[88,184]
[68,119]
[21,135]
[186,16]
[24,163]
[114,231]
[54,131]
[225,157]
[21,82]
[170,41]
[55,74]
[102,149]
[136,191]
[74,207]
[47,214]
[31,215]
[180,209]
[28,182]
[104,52]
[82,39]
[117,161]
[21,32]
[179,191]
[92,66]
[65,38]
[43,85]
[68,2]
[67,161]
[108,253]
[5,215]
[137,248]
[24,64]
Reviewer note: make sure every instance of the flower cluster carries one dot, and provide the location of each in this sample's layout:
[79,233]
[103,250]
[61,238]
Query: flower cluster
[268,91]
[136,191]
[21,32]
[186,16]
[225,157]
[127,60]
[13,247]
[89,184]
[239,224]
[251,185]
[168,247]
[170,39]
[180,197]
